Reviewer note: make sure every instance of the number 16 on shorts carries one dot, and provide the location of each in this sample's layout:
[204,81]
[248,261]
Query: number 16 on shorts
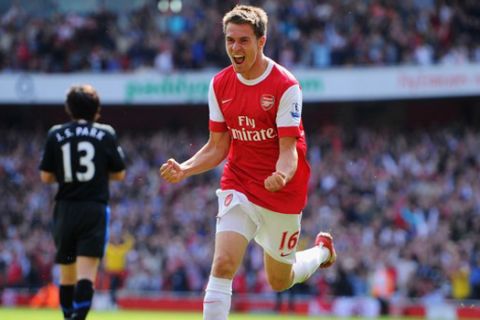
[288,243]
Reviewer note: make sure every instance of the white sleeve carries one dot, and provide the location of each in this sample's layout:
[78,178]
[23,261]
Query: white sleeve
[214,110]
[290,107]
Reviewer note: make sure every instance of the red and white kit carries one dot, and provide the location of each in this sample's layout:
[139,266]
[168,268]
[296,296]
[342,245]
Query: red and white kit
[257,113]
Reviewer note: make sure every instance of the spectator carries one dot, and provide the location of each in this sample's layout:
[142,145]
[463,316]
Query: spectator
[115,261]
[354,33]
[361,181]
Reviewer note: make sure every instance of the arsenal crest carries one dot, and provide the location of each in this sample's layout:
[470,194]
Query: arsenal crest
[267,101]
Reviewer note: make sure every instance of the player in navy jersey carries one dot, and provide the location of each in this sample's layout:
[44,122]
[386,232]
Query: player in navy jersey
[82,156]
[255,123]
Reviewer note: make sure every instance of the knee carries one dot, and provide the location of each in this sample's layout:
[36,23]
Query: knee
[279,284]
[223,267]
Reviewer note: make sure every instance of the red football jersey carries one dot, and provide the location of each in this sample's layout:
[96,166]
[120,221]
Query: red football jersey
[256,113]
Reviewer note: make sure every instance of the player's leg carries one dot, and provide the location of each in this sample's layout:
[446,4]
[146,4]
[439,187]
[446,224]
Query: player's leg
[283,275]
[86,274]
[279,274]
[87,268]
[65,256]
[234,231]
[92,229]
[322,255]
[230,248]
[115,284]
[68,278]
[279,237]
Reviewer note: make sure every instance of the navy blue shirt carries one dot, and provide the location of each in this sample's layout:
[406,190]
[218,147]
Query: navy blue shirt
[81,154]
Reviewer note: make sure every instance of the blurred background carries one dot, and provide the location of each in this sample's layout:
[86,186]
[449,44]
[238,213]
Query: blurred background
[391,111]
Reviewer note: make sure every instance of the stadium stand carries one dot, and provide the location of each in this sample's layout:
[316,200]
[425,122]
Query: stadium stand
[131,36]
[389,196]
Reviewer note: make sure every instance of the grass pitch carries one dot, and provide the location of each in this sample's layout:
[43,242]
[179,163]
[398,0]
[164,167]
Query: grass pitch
[49,314]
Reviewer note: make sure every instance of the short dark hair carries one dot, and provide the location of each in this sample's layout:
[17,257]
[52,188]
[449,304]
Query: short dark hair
[243,14]
[83,102]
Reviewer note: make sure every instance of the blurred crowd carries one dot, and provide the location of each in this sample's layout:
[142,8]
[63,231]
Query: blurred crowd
[302,34]
[403,206]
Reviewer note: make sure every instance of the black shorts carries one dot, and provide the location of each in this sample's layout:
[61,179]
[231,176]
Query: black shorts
[80,228]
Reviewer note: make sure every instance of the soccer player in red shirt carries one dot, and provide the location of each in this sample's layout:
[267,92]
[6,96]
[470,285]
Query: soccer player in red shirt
[255,122]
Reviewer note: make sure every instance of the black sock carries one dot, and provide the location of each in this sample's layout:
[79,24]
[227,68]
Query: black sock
[83,299]
[66,299]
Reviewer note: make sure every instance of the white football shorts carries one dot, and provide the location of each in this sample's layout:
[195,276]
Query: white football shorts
[276,233]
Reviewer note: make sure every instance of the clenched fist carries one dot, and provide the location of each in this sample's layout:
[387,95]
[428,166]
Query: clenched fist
[275,181]
[172,171]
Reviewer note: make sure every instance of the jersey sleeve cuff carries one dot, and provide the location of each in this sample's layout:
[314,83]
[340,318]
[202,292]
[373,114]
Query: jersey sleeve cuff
[289,132]
[216,126]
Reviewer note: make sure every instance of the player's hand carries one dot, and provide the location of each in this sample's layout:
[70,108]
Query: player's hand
[171,171]
[275,182]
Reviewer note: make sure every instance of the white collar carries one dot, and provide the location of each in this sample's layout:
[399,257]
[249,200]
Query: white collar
[252,82]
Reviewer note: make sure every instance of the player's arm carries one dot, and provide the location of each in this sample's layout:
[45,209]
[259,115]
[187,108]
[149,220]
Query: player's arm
[117,176]
[129,241]
[208,157]
[47,163]
[288,122]
[115,155]
[286,164]
[287,158]
[47,177]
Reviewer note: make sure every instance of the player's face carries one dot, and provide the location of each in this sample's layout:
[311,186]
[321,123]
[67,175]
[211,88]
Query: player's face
[245,50]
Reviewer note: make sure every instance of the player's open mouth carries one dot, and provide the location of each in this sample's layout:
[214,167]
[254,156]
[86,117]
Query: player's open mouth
[238,59]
